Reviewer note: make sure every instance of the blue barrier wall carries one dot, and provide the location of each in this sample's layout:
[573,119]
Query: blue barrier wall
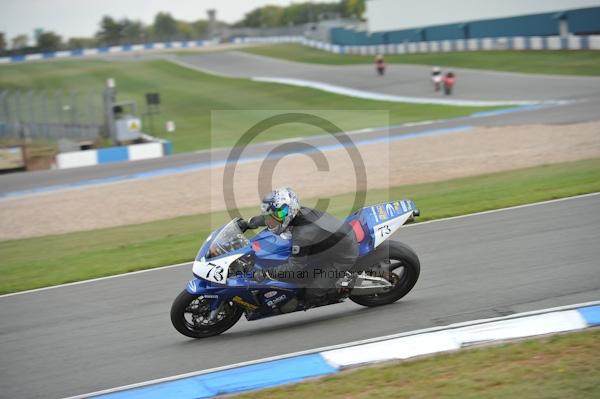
[530,25]
[407,35]
[344,36]
[580,21]
[445,32]
[586,20]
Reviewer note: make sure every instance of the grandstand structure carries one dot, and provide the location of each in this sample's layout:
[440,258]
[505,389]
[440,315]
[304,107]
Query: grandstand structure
[401,21]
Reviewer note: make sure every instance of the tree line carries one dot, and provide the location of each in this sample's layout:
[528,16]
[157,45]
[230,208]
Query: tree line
[301,13]
[113,32]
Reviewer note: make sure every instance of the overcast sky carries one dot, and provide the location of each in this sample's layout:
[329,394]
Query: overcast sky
[71,18]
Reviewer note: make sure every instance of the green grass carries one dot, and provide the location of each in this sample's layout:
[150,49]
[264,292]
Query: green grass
[189,96]
[560,366]
[44,261]
[544,62]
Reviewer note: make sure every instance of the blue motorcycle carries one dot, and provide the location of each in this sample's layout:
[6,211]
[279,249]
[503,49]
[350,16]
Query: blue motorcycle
[223,287]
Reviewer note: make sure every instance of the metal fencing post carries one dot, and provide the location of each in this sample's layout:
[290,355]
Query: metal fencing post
[44,96]
[109,99]
[4,114]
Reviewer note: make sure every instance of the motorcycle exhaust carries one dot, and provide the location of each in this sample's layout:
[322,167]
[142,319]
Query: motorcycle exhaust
[369,285]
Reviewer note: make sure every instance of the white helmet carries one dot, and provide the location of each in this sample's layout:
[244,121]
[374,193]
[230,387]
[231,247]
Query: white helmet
[279,208]
[436,69]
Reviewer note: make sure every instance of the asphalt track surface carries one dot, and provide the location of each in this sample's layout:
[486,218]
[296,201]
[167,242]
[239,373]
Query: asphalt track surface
[405,80]
[87,337]
[583,92]
[82,338]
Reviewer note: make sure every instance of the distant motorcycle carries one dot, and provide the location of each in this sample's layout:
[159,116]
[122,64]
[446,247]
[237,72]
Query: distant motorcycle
[380,65]
[449,81]
[437,78]
[437,82]
[223,287]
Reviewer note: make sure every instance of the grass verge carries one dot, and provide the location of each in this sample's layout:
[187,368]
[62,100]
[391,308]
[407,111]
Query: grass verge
[560,366]
[544,62]
[188,97]
[44,261]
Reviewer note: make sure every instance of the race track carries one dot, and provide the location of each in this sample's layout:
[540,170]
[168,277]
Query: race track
[82,338]
[402,80]
[582,92]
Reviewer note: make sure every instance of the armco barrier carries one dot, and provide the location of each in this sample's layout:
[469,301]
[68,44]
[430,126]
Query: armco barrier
[108,50]
[479,44]
[496,43]
[132,152]
[319,362]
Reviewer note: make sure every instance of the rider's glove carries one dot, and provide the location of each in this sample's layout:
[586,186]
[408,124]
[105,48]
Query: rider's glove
[255,222]
[242,224]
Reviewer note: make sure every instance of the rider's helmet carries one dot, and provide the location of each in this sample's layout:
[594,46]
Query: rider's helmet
[279,208]
[436,69]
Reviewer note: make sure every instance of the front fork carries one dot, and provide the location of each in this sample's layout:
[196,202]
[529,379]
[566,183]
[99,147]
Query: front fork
[211,294]
[218,296]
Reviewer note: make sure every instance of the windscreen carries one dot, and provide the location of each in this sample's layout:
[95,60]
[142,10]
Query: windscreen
[229,239]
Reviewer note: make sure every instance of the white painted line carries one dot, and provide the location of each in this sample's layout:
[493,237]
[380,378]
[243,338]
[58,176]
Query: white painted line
[97,279]
[565,320]
[335,347]
[397,348]
[368,95]
[410,225]
[422,123]
[510,208]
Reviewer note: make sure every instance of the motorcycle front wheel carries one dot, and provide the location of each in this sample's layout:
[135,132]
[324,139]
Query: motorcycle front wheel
[190,315]
[404,270]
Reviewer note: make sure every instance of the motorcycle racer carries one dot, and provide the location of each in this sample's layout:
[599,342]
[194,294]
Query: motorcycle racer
[436,77]
[323,247]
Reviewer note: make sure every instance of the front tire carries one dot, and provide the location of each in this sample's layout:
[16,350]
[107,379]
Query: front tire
[189,315]
[403,258]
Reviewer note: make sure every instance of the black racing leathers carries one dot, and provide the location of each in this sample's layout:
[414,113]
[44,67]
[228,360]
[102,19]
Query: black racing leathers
[323,249]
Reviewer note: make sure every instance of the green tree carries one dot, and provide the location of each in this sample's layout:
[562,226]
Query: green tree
[185,30]
[19,42]
[267,16]
[110,32]
[200,28]
[131,31]
[49,41]
[294,14]
[352,8]
[75,43]
[165,26]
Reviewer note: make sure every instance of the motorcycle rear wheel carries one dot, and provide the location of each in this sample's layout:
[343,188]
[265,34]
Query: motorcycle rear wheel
[401,256]
[189,315]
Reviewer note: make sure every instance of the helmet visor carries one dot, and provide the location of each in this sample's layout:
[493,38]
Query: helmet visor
[275,217]
[271,222]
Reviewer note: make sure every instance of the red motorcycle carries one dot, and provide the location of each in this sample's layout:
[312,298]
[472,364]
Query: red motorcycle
[449,81]
[380,65]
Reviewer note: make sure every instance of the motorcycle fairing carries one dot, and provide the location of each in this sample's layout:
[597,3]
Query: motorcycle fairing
[243,291]
[215,269]
[270,248]
[380,221]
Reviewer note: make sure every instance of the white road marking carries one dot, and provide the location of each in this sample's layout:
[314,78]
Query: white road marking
[369,95]
[333,347]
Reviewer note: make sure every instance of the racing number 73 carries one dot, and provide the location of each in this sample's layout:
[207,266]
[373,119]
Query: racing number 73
[216,270]
[384,230]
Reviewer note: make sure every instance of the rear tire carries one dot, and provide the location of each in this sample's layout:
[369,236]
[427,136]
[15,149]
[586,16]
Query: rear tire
[189,316]
[401,256]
